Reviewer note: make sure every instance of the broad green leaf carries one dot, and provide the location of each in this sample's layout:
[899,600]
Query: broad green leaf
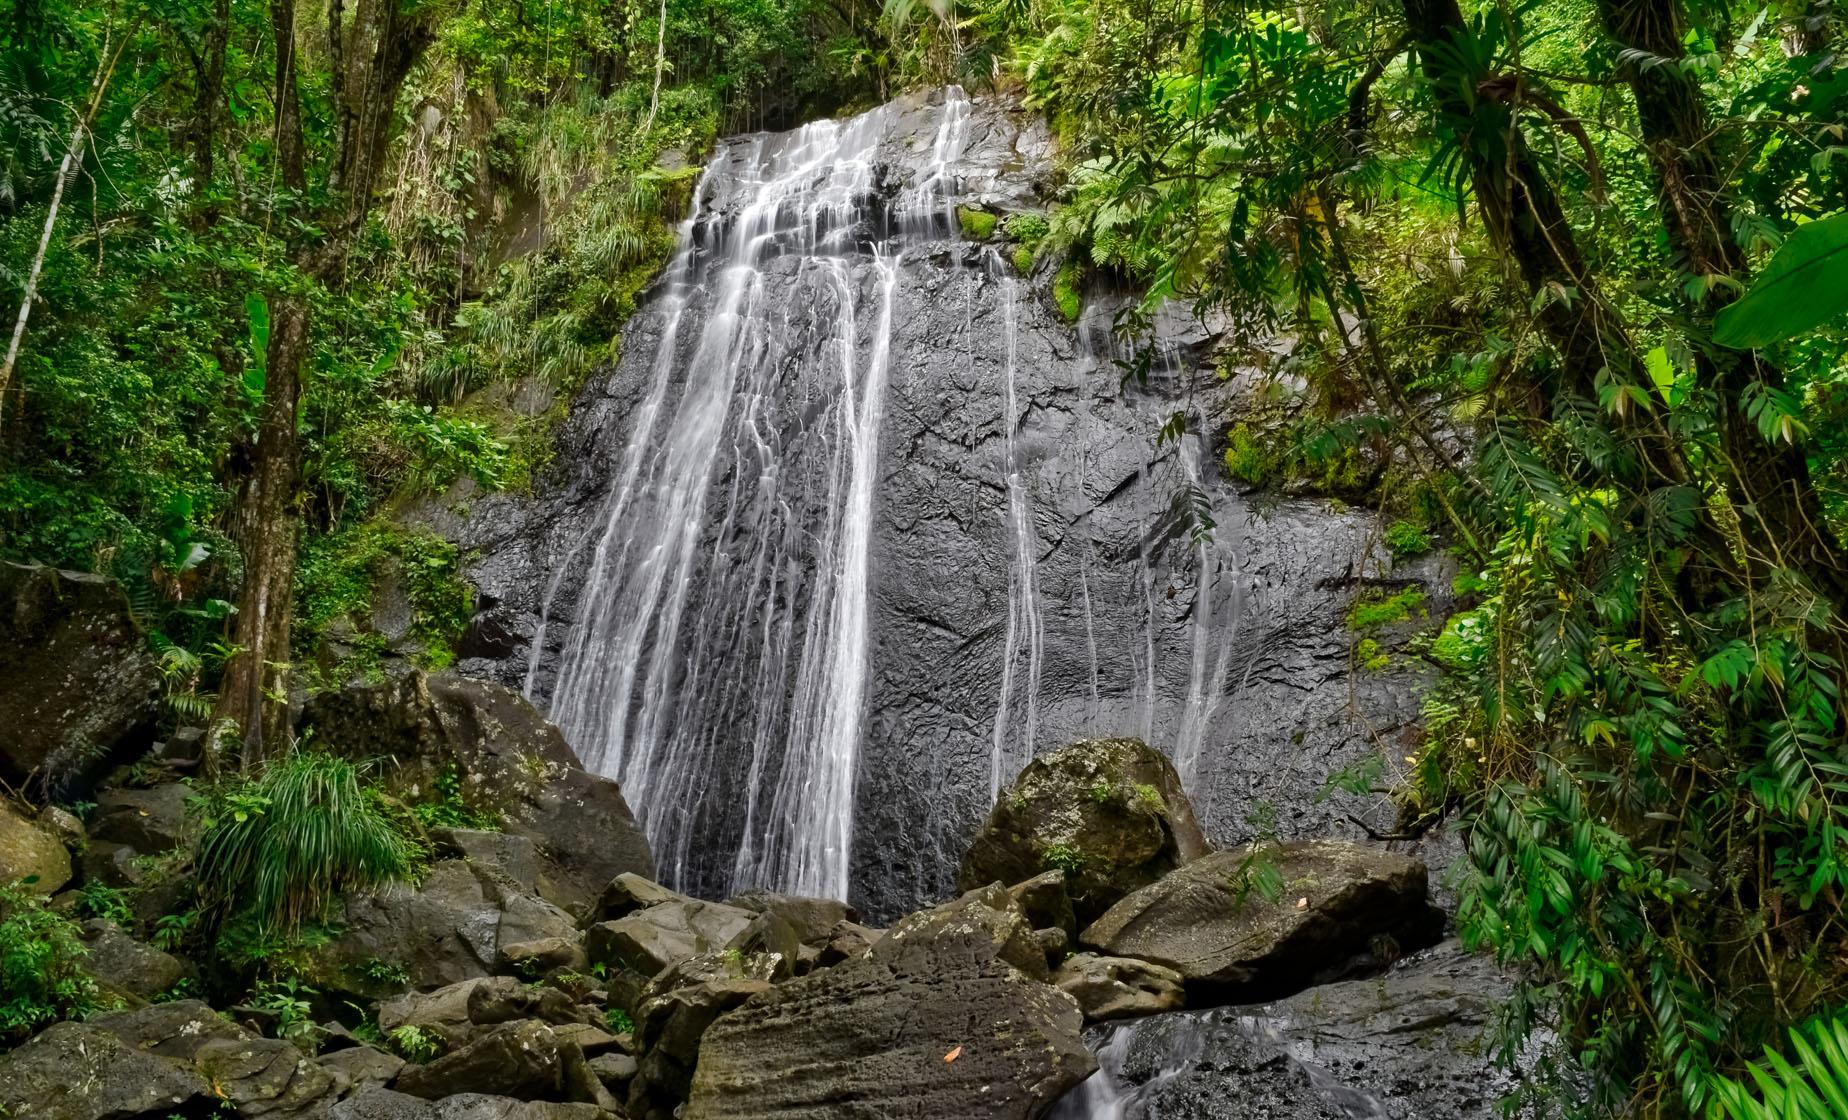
[1804,286]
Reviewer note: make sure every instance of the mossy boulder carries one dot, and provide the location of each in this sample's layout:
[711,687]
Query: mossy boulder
[1270,919]
[1108,813]
[31,851]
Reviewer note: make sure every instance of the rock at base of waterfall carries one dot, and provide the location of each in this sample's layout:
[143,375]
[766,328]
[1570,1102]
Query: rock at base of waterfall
[627,893]
[866,1038]
[1273,918]
[813,919]
[668,1031]
[983,925]
[1119,987]
[1415,1043]
[512,763]
[1109,813]
[647,941]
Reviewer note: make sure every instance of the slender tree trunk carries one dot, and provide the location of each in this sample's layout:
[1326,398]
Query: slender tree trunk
[211,92]
[1769,482]
[654,99]
[67,170]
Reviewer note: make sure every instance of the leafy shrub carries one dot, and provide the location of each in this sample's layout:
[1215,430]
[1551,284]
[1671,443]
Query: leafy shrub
[1064,857]
[100,900]
[618,1021]
[1028,228]
[42,973]
[415,1044]
[1405,538]
[279,848]
[449,808]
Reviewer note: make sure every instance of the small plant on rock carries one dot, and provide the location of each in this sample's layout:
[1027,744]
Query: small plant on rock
[100,900]
[279,848]
[1064,857]
[42,973]
[415,1044]
[619,1021]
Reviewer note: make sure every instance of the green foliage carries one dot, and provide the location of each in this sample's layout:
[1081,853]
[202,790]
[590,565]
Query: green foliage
[449,807]
[1371,657]
[340,578]
[1102,792]
[378,973]
[1374,611]
[1804,286]
[100,900]
[977,225]
[1063,857]
[1407,538]
[290,1001]
[1151,797]
[1246,457]
[1023,259]
[279,848]
[1068,290]
[42,973]
[618,1021]
[415,1044]
[1810,1084]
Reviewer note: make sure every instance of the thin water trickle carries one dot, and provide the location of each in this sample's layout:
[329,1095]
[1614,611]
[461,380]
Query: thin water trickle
[1013,748]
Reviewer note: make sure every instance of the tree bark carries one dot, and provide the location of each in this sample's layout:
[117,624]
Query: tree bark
[1770,483]
[67,170]
[211,92]
[373,58]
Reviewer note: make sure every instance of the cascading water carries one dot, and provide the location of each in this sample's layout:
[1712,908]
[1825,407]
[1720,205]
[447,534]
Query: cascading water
[859,524]
[687,642]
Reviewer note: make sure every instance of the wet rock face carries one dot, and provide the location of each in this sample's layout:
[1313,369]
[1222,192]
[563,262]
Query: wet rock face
[1414,1044]
[1030,581]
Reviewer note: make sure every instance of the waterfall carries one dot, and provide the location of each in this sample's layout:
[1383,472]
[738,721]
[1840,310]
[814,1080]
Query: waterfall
[725,578]
[859,525]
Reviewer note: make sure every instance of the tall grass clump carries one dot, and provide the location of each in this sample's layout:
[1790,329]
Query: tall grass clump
[279,848]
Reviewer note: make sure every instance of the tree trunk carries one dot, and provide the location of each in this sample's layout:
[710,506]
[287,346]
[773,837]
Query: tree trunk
[654,99]
[378,52]
[1769,483]
[67,170]
[256,679]
[211,93]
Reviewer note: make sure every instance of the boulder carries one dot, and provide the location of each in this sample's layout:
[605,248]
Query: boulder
[983,925]
[647,941]
[80,1071]
[258,1076]
[1046,902]
[541,956]
[30,850]
[516,763]
[502,999]
[522,1059]
[263,1076]
[126,966]
[148,820]
[1118,987]
[1214,923]
[668,1030]
[615,1070]
[846,941]
[359,1068]
[443,1012]
[625,894]
[441,931]
[387,1104]
[80,679]
[1416,1042]
[813,919]
[1109,813]
[513,855]
[517,1059]
[872,1038]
